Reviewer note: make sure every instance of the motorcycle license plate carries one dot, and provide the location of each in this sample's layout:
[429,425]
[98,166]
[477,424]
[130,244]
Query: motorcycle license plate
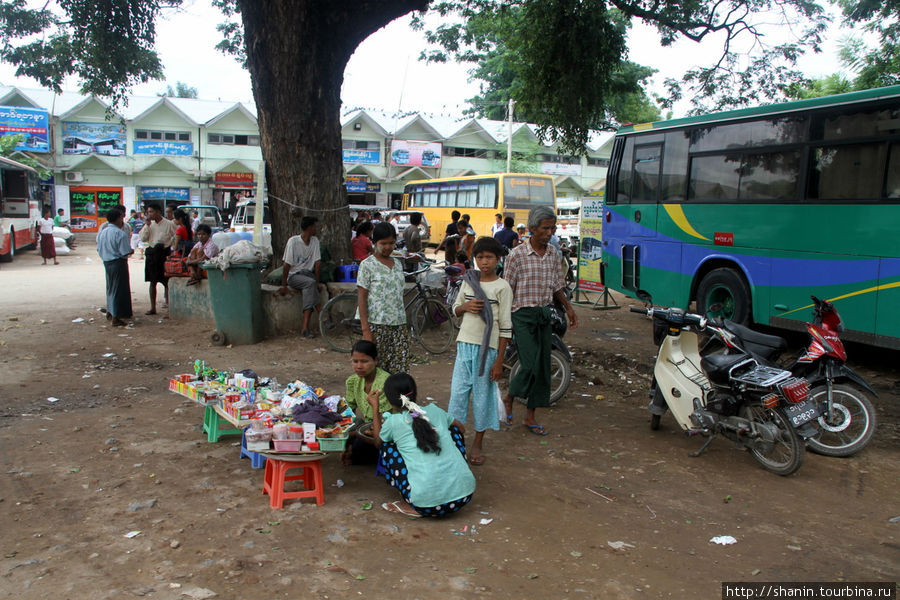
[802,412]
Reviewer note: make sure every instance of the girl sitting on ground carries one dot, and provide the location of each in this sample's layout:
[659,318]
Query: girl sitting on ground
[202,251]
[367,376]
[422,451]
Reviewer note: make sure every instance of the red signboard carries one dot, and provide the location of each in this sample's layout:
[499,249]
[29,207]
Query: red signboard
[234,178]
[724,239]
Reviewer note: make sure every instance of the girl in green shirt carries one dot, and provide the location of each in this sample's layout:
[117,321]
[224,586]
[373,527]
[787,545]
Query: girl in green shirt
[367,377]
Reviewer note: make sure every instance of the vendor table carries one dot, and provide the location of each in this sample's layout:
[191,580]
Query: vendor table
[214,420]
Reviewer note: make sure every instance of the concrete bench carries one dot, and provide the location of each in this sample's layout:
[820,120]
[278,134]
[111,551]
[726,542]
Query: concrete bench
[283,314]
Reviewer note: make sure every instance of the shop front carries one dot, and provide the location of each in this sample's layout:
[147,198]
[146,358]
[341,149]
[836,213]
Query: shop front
[163,196]
[230,187]
[89,204]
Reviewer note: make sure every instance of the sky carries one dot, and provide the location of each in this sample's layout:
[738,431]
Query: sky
[384,72]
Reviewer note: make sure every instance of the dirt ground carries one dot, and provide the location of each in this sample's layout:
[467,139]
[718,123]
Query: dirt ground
[119,453]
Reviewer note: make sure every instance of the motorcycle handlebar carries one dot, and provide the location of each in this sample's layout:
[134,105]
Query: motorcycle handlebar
[671,316]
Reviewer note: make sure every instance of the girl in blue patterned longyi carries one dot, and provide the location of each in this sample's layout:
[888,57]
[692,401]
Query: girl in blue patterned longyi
[422,451]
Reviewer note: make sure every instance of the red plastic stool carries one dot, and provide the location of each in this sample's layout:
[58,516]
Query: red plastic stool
[276,476]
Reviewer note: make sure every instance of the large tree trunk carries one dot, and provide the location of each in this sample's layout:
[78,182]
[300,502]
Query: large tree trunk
[296,52]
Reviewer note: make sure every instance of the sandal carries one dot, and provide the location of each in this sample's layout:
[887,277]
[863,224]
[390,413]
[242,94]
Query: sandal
[537,429]
[192,282]
[150,312]
[395,507]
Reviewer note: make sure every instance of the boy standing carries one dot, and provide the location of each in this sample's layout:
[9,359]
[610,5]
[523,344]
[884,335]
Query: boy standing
[484,302]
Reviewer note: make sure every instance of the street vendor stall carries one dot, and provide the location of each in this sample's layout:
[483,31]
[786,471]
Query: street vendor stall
[283,427]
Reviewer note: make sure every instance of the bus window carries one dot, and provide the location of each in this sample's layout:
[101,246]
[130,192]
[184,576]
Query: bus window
[892,184]
[15,184]
[647,167]
[623,185]
[714,178]
[527,192]
[770,176]
[849,171]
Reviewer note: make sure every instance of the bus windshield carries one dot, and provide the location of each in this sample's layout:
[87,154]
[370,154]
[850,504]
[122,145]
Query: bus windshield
[527,192]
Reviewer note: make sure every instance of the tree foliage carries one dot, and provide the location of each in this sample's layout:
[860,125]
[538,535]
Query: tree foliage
[181,90]
[879,65]
[569,57]
[498,38]
[108,45]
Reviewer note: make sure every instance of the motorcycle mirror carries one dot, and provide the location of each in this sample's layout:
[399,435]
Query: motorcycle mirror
[644,296]
[714,307]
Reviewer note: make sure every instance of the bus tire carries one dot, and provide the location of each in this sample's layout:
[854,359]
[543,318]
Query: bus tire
[724,287]
[8,257]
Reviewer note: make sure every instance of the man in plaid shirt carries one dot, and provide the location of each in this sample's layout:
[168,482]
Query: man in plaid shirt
[532,270]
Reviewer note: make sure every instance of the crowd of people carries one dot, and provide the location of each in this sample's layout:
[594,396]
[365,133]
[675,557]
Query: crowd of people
[421,450]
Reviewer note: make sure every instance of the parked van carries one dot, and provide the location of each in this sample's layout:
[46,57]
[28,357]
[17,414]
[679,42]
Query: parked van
[245,218]
[245,213]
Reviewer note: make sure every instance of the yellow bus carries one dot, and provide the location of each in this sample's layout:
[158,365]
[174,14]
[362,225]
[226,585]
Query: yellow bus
[479,196]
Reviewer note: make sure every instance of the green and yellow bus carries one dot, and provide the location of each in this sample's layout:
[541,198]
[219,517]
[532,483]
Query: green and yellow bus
[479,196]
[752,211]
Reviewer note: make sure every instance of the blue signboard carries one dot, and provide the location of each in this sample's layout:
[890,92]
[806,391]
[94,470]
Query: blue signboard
[373,187]
[355,183]
[362,157]
[96,138]
[32,123]
[158,147]
[165,193]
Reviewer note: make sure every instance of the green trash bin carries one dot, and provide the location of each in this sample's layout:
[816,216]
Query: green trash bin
[236,299]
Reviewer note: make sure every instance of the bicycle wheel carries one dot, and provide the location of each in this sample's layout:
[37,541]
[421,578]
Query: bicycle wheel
[432,326]
[338,322]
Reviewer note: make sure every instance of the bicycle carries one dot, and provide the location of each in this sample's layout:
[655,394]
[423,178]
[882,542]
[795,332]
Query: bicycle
[427,317]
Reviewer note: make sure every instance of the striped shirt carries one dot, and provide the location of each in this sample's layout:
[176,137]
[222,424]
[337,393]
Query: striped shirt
[533,278]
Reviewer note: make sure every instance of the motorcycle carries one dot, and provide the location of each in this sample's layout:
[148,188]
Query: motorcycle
[846,418]
[762,408]
[560,357]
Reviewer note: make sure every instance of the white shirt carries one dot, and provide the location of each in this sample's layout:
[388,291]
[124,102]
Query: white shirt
[495,228]
[46,226]
[301,255]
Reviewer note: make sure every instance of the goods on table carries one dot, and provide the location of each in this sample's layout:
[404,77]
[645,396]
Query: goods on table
[268,410]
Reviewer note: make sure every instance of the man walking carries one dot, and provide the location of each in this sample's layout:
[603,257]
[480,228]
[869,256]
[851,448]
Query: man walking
[301,269]
[157,234]
[532,271]
[114,248]
[498,224]
[507,236]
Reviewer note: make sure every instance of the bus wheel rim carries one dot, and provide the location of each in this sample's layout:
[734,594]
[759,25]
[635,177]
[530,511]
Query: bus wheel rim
[722,295]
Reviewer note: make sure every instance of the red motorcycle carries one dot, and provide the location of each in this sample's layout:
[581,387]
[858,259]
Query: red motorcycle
[845,417]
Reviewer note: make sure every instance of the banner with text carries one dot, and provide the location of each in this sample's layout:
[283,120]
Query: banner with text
[31,123]
[590,250]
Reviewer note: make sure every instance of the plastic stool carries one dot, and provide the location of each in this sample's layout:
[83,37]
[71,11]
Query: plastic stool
[276,476]
[257,460]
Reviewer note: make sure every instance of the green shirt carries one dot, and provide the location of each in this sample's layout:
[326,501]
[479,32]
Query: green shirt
[434,479]
[356,395]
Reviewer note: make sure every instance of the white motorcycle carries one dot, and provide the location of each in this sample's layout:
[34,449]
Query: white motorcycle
[728,392]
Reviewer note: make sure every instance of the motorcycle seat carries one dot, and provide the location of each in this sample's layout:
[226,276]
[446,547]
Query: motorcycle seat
[717,365]
[758,344]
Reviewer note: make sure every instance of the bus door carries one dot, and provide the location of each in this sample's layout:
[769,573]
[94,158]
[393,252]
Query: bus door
[636,189]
